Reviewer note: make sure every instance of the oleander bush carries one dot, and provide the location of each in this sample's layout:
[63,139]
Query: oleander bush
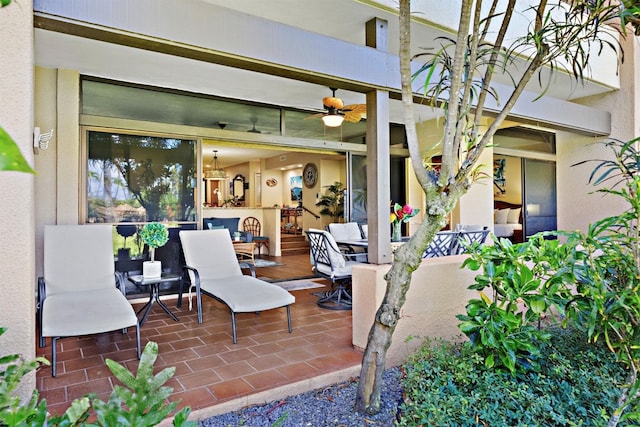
[576,384]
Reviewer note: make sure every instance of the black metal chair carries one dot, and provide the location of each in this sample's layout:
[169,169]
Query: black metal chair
[444,243]
[330,263]
[468,239]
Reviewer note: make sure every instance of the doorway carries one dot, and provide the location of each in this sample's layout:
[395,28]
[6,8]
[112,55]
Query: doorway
[539,191]
[525,175]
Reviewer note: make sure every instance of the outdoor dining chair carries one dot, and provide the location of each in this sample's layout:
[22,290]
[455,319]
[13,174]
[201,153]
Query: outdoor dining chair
[80,293]
[467,239]
[330,263]
[444,243]
[342,233]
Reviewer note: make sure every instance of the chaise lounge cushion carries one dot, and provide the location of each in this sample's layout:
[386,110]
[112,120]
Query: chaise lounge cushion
[245,294]
[220,274]
[94,311]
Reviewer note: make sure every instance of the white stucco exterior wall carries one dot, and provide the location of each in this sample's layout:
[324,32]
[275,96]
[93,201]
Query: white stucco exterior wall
[17,247]
[576,207]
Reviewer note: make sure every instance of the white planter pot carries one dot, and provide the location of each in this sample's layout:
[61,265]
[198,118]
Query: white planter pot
[151,269]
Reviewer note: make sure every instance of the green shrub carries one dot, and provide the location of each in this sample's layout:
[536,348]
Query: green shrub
[449,384]
[141,401]
[14,412]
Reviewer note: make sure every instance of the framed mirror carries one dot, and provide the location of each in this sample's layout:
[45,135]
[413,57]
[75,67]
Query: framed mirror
[237,187]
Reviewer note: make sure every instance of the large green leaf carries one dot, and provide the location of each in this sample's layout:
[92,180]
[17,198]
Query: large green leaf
[11,158]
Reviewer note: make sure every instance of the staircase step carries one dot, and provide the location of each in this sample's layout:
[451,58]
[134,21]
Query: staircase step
[294,251]
[293,244]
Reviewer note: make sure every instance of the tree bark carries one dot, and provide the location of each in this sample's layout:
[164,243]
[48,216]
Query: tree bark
[407,258]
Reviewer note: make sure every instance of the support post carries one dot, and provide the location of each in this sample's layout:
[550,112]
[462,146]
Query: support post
[378,164]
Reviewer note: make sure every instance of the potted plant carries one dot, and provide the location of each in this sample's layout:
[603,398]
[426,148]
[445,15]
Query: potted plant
[153,235]
[332,202]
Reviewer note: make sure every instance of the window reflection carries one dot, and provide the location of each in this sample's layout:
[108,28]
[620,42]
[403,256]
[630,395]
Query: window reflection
[138,178]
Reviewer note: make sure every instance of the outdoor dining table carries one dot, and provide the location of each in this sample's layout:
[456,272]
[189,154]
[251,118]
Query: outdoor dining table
[364,243]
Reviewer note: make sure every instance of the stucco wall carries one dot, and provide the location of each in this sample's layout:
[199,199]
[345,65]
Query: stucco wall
[437,294]
[17,207]
[577,208]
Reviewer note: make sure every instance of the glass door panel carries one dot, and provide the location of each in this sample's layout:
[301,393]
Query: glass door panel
[539,196]
[357,192]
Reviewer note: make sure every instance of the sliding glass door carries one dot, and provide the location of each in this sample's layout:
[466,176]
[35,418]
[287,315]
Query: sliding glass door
[539,178]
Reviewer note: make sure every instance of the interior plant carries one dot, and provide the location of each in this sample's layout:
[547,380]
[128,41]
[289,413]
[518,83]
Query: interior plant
[154,235]
[399,215]
[332,202]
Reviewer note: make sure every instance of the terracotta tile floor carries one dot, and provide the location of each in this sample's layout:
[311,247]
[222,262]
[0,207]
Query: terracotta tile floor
[210,369]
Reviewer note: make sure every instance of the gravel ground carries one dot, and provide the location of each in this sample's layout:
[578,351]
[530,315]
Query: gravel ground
[330,406]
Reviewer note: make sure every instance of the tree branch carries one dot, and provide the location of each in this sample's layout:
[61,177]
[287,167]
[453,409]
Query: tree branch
[450,158]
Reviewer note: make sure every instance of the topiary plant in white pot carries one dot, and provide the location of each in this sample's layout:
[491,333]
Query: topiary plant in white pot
[153,235]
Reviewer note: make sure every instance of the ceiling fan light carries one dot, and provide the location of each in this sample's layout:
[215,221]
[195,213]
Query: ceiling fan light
[332,120]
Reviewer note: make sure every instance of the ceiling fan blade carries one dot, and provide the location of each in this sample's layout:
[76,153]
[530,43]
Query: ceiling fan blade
[357,108]
[352,116]
[314,116]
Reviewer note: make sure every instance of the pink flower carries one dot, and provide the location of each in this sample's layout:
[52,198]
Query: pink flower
[403,213]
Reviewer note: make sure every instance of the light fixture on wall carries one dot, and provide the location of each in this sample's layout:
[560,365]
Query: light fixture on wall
[215,174]
[332,120]
[41,140]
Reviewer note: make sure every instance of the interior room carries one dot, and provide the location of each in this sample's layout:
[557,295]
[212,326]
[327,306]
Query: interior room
[524,186]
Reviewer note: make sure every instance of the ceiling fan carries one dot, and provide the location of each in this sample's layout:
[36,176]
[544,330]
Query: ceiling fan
[254,120]
[337,111]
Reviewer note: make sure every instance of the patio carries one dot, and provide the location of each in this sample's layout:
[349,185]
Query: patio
[210,369]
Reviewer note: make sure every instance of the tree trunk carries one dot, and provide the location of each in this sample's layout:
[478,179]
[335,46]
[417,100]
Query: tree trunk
[407,258]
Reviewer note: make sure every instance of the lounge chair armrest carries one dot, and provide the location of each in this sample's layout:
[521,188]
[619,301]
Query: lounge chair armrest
[346,248]
[42,294]
[120,283]
[250,266]
[42,291]
[186,269]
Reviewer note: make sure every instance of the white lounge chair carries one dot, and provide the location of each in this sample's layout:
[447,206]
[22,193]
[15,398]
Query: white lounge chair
[80,292]
[213,269]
